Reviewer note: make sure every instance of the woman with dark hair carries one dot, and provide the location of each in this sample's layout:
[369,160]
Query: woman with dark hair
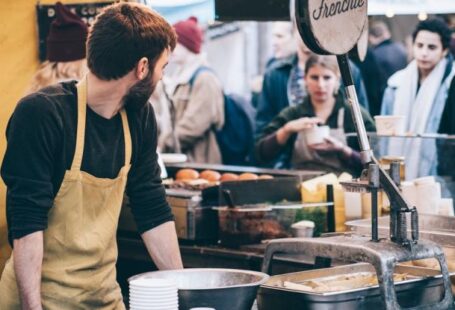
[419,92]
[284,136]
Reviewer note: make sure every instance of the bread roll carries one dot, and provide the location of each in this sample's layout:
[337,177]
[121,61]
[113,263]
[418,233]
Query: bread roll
[186,174]
[225,177]
[265,177]
[210,175]
[248,176]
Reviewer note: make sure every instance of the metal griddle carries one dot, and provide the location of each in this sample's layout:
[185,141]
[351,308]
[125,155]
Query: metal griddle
[336,34]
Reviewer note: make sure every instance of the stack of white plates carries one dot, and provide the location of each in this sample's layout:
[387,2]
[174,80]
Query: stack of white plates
[153,294]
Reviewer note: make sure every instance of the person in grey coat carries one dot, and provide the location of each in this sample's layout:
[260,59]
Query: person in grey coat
[390,55]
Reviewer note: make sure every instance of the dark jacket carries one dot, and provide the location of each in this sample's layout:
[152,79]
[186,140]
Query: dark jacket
[448,116]
[374,80]
[274,95]
[446,147]
[391,57]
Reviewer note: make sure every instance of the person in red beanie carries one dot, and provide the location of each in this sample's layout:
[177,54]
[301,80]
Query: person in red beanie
[195,96]
[66,50]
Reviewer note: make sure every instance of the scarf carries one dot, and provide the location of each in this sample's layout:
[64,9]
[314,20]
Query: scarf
[417,107]
[423,111]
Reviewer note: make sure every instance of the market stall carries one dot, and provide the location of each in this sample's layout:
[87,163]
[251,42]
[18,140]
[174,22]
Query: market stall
[377,272]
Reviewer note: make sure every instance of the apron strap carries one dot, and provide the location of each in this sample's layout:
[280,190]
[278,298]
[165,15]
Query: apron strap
[80,135]
[126,137]
[340,120]
[81,116]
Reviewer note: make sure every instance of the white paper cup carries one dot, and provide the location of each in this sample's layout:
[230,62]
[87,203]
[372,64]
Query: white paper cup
[316,134]
[446,207]
[390,125]
[409,191]
[303,229]
[428,195]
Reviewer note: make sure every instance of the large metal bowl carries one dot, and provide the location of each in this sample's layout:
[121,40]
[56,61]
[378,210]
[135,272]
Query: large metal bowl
[221,289]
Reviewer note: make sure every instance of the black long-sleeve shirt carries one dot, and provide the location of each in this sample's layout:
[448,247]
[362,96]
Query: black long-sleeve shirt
[41,136]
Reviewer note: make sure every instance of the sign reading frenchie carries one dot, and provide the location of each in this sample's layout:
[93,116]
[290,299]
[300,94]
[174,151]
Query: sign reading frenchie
[331,26]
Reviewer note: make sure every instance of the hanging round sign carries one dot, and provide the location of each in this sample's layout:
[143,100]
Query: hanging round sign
[362,45]
[331,26]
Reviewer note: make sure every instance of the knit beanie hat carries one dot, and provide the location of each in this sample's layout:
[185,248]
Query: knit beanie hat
[67,36]
[189,34]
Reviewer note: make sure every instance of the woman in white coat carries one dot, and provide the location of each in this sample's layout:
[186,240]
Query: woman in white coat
[419,92]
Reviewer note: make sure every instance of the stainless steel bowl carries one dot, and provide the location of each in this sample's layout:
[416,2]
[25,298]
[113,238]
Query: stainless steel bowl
[222,289]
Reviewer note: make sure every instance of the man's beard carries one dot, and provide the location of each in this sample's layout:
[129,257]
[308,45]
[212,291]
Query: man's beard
[138,95]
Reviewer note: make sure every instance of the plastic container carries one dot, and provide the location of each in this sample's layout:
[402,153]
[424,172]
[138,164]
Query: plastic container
[428,195]
[390,125]
[446,207]
[303,229]
[250,224]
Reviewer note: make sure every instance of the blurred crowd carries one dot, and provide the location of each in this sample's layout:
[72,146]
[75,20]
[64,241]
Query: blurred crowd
[298,91]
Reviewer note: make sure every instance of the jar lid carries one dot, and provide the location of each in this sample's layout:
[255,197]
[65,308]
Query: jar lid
[392,158]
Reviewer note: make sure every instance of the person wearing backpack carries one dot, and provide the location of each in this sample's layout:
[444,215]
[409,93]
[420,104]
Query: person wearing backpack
[195,98]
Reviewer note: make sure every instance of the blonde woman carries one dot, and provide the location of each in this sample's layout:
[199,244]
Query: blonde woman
[282,138]
[65,50]
[65,61]
[51,72]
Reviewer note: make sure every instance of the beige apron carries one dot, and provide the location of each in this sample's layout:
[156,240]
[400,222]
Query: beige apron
[303,157]
[80,248]
[5,250]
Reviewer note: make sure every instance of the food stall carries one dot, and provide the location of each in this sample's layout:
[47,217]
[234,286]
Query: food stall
[367,268]
[199,207]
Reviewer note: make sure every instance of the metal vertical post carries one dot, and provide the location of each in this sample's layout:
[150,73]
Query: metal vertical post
[373,182]
[330,209]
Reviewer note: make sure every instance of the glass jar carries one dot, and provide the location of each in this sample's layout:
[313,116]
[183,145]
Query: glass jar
[385,162]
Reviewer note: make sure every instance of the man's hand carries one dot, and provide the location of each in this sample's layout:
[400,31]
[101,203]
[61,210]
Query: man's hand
[332,145]
[28,259]
[163,247]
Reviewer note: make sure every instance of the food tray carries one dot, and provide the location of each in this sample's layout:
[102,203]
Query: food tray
[436,228]
[424,286]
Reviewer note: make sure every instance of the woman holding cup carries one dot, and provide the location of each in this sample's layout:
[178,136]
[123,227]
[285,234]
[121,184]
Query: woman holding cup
[296,135]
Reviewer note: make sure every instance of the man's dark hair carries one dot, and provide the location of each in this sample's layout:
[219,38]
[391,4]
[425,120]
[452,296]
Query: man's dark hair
[435,25]
[122,34]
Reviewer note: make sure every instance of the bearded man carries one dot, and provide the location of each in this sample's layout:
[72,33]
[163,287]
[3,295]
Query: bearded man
[73,149]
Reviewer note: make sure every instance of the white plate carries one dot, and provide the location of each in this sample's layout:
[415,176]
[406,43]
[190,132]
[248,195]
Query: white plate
[153,294]
[153,289]
[152,283]
[156,299]
[150,306]
[173,158]
[154,304]
[154,308]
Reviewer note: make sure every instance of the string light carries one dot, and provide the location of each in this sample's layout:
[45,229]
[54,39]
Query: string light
[389,13]
[422,16]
